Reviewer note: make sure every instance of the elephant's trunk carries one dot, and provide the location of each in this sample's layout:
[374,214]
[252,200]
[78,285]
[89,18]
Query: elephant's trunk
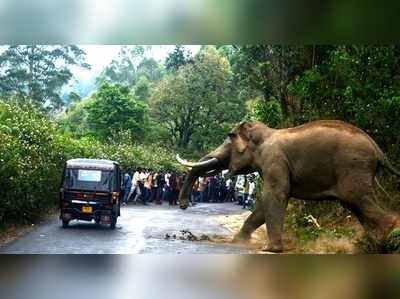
[204,165]
[186,188]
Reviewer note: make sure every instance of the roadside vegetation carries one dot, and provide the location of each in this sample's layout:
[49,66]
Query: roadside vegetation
[142,111]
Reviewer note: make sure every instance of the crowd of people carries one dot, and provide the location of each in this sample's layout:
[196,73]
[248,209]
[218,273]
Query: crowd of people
[146,186]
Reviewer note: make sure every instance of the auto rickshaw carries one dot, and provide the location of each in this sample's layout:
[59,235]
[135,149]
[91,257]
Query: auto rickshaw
[90,190]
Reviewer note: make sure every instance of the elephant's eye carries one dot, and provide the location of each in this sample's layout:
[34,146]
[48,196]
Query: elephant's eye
[231,135]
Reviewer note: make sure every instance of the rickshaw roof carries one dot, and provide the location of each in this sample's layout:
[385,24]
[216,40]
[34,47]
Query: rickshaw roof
[92,164]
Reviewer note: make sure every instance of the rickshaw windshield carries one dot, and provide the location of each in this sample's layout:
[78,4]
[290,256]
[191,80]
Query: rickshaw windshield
[88,179]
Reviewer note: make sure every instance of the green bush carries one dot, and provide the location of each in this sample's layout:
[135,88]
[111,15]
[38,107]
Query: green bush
[30,162]
[370,244]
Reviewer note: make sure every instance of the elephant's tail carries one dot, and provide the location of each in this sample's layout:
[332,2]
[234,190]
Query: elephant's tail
[385,163]
[383,189]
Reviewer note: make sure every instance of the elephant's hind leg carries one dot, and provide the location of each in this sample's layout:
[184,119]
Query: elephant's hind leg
[254,221]
[371,216]
[360,200]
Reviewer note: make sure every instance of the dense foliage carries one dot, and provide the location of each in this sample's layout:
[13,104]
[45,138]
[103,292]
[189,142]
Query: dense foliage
[356,84]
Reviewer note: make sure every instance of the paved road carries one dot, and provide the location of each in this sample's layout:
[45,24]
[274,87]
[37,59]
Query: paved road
[140,229]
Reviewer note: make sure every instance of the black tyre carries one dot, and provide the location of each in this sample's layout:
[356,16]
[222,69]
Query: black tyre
[114,216]
[113,222]
[65,223]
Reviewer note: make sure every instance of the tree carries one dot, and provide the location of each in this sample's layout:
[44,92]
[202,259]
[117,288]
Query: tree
[37,73]
[268,112]
[150,69]
[123,69]
[359,84]
[113,110]
[267,70]
[179,57]
[142,89]
[196,105]
[74,97]
[74,119]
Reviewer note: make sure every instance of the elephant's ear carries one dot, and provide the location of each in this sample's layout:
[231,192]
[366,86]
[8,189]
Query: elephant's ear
[241,144]
[242,136]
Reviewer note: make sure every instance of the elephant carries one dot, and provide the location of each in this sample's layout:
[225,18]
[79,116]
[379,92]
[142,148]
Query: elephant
[319,160]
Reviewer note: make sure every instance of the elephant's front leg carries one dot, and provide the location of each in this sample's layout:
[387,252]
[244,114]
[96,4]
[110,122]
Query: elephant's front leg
[254,221]
[275,197]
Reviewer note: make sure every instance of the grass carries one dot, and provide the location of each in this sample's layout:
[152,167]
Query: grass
[330,237]
[370,245]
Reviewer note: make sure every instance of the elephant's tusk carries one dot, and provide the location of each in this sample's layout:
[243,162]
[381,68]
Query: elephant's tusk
[212,172]
[196,164]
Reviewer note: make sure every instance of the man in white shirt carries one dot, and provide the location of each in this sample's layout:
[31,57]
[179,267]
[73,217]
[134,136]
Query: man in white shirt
[252,187]
[239,183]
[250,197]
[166,178]
[239,186]
[166,186]
[135,185]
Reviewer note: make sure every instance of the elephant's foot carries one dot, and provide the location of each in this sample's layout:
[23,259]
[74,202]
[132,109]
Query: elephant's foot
[273,248]
[241,237]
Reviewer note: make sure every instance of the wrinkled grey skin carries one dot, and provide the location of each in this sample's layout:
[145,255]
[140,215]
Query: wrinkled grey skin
[319,160]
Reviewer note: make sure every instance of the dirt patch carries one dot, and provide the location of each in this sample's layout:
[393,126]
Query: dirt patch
[11,232]
[328,238]
[186,235]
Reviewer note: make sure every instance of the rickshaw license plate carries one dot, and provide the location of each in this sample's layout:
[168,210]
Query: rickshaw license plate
[87,210]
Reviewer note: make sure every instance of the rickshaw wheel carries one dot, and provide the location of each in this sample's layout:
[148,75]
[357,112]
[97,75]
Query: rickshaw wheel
[65,223]
[113,222]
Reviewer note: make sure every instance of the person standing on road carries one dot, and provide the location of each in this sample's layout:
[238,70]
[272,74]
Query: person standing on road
[136,185]
[142,178]
[212,189]
[127,188]
[174,189]
[239,186]
[222,190]
[252,187]
[202,188]
[195,192]
[245,191]
[160,188]
[154,189]
[166,186]
[148,185]
[230,193]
